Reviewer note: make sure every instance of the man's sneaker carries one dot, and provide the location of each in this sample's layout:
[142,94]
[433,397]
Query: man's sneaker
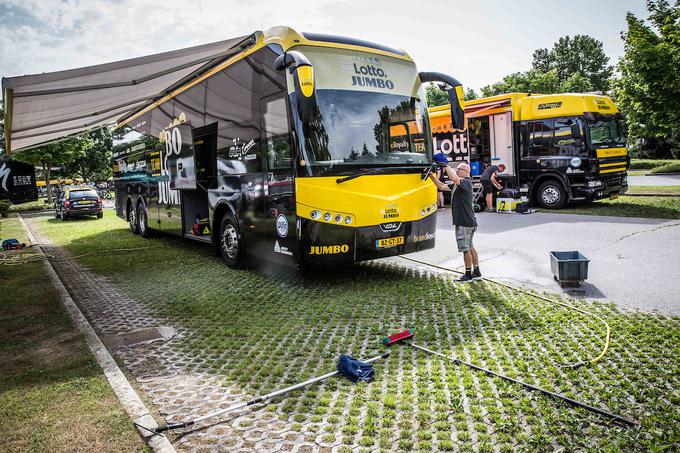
[465,278]
[476,275]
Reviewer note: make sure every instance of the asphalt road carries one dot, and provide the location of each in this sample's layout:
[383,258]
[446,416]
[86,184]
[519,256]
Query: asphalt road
[663,180]
[634,263]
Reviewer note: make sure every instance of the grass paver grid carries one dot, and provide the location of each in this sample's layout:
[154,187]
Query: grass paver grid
[254,332]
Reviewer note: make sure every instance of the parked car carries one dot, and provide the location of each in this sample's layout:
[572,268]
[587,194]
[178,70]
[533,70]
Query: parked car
[77,202]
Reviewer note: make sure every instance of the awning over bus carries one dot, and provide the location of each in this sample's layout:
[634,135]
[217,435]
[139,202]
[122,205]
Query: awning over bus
[43,108]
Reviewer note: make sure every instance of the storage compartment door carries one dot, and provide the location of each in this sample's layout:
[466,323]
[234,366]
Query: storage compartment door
[501,141]
[179,156]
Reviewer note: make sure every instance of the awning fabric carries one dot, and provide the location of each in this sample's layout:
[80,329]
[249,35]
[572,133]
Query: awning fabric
[43,108]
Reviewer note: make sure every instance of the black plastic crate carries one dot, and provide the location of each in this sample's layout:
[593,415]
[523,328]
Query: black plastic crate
[569,267]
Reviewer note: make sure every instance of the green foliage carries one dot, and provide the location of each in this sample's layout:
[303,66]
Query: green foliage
[4,207]
[673,167]
[648,91]
[649,164]
[575,65]
[581,56]
[95,163]
[471,94]
[435,96]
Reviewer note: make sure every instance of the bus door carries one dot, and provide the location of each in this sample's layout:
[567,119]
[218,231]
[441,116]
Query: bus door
[279,179]
[501,141]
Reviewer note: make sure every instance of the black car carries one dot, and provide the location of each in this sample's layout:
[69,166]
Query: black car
[75,202]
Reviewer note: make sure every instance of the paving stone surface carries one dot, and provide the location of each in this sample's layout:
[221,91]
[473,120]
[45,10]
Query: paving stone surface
[170,379]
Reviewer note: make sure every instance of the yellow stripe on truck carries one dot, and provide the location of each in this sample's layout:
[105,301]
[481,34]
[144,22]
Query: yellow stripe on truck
[613,170]
[370,200]
[611,152]
[613,164]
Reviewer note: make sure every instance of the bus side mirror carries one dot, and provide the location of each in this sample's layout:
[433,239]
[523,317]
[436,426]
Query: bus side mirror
[456,96]
[576,131]
[303,79]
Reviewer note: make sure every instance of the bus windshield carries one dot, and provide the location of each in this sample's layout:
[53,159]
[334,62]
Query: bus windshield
[371,113]
[606,133]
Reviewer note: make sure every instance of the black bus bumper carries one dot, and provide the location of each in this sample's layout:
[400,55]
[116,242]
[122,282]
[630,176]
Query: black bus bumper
[611,186]
[325,244]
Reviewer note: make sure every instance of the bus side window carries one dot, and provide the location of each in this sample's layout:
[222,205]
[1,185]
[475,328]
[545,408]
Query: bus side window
[524,140]
[540,136]
[277,134]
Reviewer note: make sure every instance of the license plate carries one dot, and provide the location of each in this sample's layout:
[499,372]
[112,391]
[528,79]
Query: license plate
[613,196]
[86,202]
[389,242]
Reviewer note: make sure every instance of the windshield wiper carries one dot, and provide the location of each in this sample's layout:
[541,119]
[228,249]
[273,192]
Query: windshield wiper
[371,172]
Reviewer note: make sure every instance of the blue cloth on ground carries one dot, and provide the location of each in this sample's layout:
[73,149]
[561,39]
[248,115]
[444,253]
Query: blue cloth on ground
[355,370]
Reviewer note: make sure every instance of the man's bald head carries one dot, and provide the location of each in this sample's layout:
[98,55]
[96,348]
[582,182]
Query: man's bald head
[463,169]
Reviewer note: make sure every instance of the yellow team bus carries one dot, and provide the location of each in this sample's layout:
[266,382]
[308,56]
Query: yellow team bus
[556,148]
[303,149]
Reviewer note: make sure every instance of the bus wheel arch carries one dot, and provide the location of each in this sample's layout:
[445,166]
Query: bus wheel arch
[142,219]
[132,216]
[550,192]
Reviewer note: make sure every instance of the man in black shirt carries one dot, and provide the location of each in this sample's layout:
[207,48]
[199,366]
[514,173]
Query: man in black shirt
[463,216]
[489,181]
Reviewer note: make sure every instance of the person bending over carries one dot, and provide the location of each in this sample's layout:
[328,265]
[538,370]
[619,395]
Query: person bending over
[490,181]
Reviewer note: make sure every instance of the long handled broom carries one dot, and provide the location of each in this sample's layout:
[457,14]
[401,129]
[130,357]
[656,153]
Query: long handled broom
[407,334]
[170,426]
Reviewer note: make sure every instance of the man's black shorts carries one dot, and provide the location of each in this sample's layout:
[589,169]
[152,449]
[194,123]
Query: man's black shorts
[487,186]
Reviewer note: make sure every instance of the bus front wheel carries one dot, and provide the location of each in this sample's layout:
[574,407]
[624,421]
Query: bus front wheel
[132,219]
[230,242]
[551,195]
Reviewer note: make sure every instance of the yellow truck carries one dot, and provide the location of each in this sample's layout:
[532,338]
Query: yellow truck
[557,148]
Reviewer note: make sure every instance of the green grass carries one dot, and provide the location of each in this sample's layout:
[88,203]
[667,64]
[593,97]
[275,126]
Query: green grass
[266,330]
[646,207]
[666,190]
[31,206]
[651,164]
[673,167]
[53,394]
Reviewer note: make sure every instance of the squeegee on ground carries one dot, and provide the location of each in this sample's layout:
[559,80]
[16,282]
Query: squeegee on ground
[408,334]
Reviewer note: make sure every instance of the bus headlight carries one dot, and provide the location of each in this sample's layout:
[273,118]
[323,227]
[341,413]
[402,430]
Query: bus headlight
[338,218]
[327,217]
[575,162]
[315,214]
[348,220]
[428,209]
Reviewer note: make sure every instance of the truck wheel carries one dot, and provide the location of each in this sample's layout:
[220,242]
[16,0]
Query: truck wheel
[230,242]
[132,219]
[143,221]
[551,195]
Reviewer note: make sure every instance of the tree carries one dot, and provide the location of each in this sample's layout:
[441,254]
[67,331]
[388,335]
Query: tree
[95,164]
[576,64]
[582,55]
[471,95]
[54,154]
[435,95]
[648,91]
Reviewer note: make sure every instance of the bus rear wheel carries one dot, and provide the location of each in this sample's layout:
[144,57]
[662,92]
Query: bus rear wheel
[551,195]
[142,221]
[230,242]
[132,219]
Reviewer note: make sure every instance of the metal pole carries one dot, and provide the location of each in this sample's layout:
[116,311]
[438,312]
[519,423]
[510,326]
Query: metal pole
[259,399]
[531,387]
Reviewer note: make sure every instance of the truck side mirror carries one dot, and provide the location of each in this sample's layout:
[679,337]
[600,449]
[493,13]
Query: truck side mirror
[303,78]
[456,96]
[576,131]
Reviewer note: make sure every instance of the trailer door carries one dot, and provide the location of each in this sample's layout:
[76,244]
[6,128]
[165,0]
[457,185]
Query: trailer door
[501,141]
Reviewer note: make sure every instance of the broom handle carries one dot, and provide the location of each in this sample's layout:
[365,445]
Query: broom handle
[531,387]
[259,399]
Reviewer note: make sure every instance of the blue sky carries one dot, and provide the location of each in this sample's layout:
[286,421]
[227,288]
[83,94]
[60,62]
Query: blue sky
[477,42]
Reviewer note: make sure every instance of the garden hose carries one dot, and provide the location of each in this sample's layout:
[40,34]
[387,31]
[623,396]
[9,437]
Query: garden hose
[547,299]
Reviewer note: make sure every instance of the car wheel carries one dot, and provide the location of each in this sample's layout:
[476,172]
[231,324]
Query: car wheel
[551,195]
[132,220]
[142,221]
[230,242]
[100,215]
[56,213]
[64,216]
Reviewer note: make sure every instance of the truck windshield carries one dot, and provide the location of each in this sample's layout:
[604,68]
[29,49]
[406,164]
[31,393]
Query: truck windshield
[371,113]
[606,133]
